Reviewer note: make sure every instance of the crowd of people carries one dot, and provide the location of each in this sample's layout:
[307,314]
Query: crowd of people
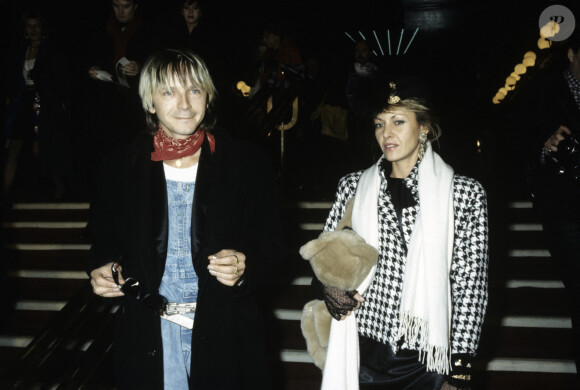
[57,136]
[185,224]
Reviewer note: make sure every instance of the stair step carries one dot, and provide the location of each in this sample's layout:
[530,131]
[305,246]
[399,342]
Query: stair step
[531,343]
[56,259]
[48,215]
[526,239]
[533,268]
[26,322]
[292,297]
[300,376]
[527,380]
[45,289]
[534,302]
[8,355]
[48,274]
[32,235]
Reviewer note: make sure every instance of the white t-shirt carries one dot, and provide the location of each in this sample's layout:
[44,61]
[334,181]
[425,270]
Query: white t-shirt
[186,175]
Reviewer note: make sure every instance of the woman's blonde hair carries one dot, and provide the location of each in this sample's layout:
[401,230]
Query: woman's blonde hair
[170,65]
[425,116]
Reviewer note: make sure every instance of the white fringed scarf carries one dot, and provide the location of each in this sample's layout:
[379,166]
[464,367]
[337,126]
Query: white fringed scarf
[425,309]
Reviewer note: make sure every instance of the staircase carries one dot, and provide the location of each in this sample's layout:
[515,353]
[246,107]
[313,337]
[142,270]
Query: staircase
[44,256]
[526,341]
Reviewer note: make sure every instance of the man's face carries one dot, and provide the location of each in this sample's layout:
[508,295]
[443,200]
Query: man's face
[124,10]
[179,109]
[33,29]
[271,40]
[362,53]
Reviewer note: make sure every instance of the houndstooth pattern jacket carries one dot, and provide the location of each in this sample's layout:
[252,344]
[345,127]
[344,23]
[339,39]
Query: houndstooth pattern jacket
[378,317]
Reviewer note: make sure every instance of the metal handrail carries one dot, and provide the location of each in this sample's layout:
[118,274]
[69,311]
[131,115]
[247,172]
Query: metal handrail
[71,350]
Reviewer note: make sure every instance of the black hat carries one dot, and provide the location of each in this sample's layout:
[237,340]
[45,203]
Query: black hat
[407,88]
[389,91]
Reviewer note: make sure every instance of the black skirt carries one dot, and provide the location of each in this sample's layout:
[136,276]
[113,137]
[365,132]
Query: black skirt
[380,368]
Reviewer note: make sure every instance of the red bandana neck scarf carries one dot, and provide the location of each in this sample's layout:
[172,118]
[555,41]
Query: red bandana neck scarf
[168,148]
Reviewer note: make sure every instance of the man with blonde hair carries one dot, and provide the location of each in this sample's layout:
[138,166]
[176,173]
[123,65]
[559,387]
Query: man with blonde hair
[186,231]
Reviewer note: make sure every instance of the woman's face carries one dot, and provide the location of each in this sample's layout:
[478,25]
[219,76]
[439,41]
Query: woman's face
[191,13]
[397,133]
[33,29]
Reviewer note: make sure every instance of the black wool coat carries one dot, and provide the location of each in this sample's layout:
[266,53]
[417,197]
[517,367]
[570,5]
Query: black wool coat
[540,111]
[234,207]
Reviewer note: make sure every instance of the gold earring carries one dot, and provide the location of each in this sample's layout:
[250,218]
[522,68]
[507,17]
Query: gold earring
[422,144]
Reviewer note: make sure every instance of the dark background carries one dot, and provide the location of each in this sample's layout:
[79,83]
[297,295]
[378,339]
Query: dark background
[465,49]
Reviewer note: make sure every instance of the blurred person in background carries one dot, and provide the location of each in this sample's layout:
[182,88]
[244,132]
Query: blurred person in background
[38,117]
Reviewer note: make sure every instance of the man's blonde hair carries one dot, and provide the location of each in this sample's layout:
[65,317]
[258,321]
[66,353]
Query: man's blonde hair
[169,66]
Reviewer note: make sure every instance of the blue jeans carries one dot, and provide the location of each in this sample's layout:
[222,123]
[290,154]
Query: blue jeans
[176,354]
[179,284]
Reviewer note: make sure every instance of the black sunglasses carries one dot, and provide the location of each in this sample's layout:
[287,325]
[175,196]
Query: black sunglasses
[132,288]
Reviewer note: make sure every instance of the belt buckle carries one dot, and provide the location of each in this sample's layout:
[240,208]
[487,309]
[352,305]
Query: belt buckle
[179,308]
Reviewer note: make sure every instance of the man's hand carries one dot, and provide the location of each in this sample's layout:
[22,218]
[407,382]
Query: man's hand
[227,266]
[131,69]
[551,144]
[93,72]
[103,283]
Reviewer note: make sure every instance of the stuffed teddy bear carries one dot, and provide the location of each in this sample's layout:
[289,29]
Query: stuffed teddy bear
[341,259]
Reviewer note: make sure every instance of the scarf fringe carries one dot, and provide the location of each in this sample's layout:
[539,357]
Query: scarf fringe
[415,331]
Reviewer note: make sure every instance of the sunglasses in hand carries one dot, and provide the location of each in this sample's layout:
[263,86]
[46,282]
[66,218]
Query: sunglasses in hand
[131,287]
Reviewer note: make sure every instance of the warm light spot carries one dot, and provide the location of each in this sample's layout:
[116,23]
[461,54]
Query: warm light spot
[530,54]
[243,88]
[550,29]
[543,43]
[529,61]
[520,69]
[515,76]
[510,83]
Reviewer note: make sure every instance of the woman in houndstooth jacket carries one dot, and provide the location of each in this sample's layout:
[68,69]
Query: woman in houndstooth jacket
[420,311]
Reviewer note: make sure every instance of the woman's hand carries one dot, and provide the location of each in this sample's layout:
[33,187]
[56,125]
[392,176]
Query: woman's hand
[103,283]
[359,299]
[551,144]
[227,266]
[341,303]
